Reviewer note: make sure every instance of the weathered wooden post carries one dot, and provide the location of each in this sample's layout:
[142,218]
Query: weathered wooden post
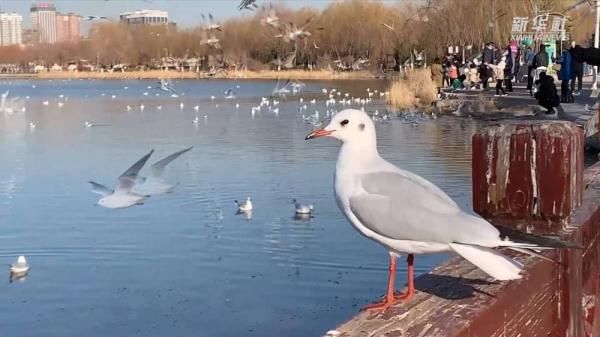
[528,175]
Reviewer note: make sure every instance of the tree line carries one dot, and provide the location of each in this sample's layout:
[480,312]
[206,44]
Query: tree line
[345,31]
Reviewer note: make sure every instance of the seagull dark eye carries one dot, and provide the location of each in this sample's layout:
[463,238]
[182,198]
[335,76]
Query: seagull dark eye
[344,122]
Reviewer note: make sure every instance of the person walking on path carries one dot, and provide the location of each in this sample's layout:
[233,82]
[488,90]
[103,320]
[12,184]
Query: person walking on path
[499,70]
[564,75]
[489,59]
[437,72]
[577,74]
[541,58]
[473,77]
[529,56]
[512,64]
[446,73]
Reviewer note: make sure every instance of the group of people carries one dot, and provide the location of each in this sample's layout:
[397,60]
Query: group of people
[504,65]
[476,74]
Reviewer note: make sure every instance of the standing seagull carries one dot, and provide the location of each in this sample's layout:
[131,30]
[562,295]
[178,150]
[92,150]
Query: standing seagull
[408,214]
[155,184]
[122,196]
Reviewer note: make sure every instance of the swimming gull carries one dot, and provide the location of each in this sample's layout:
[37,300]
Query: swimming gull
[302,208]
[245,206]
[19,267]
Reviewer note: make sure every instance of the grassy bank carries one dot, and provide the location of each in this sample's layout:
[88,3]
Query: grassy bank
[415,89]
[171,74]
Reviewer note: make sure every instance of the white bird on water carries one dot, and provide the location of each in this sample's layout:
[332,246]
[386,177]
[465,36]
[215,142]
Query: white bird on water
[302,208]
[245,206]
[408,214]
[155,184]
[32,125]
[122,196]
[19,267]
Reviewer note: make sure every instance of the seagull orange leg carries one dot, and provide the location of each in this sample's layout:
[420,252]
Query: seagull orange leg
[389,297]
[411,276]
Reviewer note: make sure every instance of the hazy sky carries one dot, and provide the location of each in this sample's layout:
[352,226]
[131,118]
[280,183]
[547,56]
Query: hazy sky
[184,12]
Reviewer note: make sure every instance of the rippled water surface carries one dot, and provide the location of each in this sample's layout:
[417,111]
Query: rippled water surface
[174,266]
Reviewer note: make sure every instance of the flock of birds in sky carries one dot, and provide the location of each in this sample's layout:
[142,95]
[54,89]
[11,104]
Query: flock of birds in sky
[289,33]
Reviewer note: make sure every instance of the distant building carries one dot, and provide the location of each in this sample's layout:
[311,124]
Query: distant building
[145,17]
[68,28]
[43,22]
[10,29]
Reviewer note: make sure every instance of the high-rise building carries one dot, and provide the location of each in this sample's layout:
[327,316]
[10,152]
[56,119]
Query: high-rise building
[145,17]
[43,22]
[68,28]
[10,29]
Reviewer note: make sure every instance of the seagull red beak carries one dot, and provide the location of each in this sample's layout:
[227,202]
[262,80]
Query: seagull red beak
[318,133]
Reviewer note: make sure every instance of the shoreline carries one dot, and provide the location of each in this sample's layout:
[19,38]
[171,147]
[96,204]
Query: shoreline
[172,74]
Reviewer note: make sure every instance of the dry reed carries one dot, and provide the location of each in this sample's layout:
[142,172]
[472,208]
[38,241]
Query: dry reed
[414,89]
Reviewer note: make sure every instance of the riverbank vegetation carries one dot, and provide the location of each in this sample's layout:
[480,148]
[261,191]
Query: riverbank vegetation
[346,35]
[415,88]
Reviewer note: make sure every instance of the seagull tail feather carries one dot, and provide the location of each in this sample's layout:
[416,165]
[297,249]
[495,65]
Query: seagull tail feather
[533,240]
[490,261]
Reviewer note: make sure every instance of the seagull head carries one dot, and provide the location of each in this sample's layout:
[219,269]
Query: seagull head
[102,202]
[21,260]
[348,126]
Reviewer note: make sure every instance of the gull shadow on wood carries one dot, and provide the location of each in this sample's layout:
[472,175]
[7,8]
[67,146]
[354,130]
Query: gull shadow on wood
[450,287]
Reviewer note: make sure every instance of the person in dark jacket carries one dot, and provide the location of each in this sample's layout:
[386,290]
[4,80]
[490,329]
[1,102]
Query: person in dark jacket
[485,70]
[564,75]
[577,74]
[541,58]
[546,95]
[512,64]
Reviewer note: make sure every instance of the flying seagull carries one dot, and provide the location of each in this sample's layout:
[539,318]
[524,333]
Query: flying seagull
[122,196]
[248,4]
[212,25]
[408,214]
[271,19]
[155,184]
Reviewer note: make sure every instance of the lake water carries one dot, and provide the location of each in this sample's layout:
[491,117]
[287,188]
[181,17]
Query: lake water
[174,266]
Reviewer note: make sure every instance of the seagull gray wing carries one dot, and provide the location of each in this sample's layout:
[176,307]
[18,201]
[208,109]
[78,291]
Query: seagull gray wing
[127,180]
[405,206]
[158,168]
[100,189]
